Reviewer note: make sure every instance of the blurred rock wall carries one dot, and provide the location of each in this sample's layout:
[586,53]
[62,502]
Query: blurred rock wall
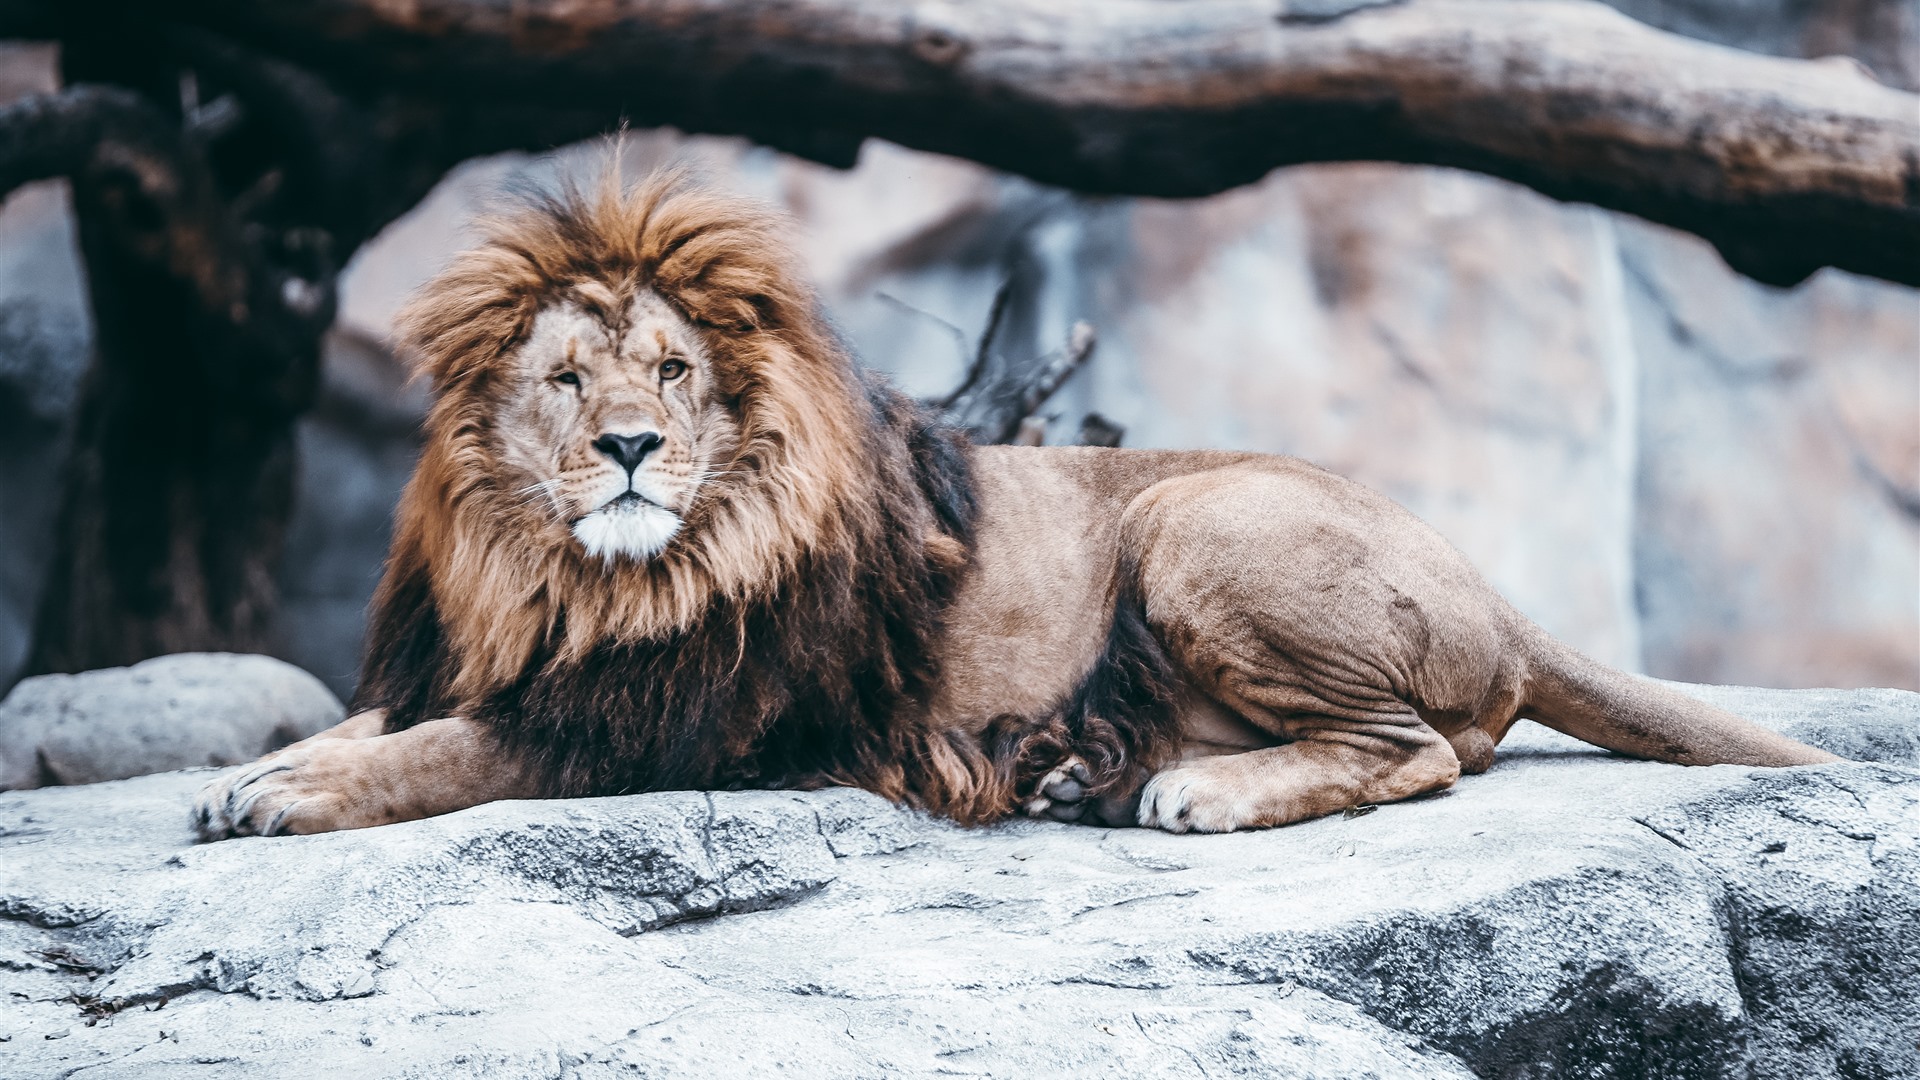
[1669,466]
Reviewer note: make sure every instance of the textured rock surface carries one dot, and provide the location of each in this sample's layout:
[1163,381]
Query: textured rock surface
[171,712]
[1777,527]
[1568,914]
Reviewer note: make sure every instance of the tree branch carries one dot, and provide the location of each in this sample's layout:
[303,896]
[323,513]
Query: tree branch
[90,128]
[1785,165]
[1004,408]
[971,384]
[171,215]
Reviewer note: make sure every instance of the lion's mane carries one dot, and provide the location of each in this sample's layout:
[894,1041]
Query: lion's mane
[783,636]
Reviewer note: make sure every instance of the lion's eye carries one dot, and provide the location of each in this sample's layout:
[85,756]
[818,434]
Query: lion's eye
[567,378]
[672,369]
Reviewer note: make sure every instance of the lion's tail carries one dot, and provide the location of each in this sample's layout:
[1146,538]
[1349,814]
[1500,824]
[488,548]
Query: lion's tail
[1594,703]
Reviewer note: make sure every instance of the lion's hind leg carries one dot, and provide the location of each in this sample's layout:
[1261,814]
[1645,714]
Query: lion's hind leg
[1327,768]
[1326,619]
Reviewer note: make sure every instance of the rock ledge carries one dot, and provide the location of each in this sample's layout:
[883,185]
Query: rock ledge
[1568,914]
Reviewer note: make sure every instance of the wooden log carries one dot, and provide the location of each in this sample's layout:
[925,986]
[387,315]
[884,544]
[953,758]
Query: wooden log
[179,484]
[1785,165]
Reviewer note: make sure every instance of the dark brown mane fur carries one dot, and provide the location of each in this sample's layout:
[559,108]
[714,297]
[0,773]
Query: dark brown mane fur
[731,659]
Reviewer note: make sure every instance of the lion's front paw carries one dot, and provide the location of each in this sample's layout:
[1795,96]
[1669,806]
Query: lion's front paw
[1201,796]
[297,790]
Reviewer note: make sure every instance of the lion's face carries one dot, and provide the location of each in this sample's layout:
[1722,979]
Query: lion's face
[612,423]
[637,410]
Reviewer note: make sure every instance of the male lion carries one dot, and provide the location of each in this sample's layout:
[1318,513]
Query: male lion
[666,534]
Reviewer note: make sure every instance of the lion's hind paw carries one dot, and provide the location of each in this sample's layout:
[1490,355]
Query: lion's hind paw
[1062,793]
[1067,794]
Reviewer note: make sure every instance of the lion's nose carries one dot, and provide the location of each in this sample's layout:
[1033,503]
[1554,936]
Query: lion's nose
[628,450]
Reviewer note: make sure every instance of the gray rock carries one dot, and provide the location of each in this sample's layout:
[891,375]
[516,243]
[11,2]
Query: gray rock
[1569,913]
[1861,725]
[171,712]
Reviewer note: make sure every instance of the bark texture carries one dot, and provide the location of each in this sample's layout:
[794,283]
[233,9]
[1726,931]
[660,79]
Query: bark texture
[1785,165]
[217,190]
[179,484]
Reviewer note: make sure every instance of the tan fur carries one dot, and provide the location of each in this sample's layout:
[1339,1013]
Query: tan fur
[1331,649]
[353,777]
[1339,651]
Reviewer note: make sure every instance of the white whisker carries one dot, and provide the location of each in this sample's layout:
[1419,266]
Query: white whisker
[533,492]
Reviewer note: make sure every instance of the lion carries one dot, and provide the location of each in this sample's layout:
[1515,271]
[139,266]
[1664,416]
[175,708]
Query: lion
[665,533]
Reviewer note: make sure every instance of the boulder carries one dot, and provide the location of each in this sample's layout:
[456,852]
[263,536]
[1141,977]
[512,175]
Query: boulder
[171,712]
[1568,914]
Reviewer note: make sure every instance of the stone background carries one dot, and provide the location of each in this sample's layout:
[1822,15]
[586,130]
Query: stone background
[1671,467]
